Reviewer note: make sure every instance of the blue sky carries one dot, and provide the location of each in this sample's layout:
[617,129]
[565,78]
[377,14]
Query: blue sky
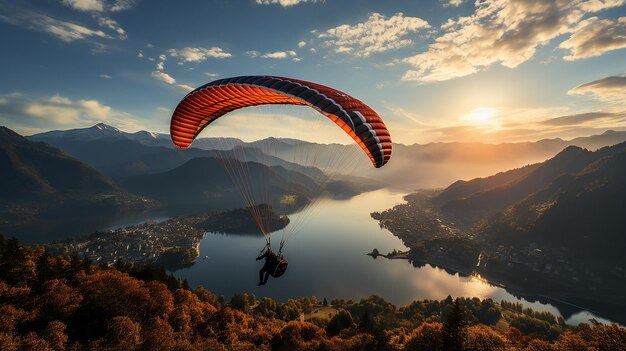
[440,70]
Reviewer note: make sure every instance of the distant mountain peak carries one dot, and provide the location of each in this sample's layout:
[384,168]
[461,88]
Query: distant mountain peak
[571,148]
[6,131]
[95,132]
[105,127]
[146,134]
[8,135]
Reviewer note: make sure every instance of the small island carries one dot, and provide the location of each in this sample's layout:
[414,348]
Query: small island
[240,221]
[393,255]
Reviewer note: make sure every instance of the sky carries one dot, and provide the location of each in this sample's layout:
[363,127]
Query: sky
[434,70]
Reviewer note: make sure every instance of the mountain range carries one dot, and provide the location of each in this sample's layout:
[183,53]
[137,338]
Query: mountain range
[120,154]
[581,209]
[574,200]
[38,181]
[35,170]
[93,173]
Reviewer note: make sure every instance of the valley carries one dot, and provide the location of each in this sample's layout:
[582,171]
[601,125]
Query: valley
[509,228]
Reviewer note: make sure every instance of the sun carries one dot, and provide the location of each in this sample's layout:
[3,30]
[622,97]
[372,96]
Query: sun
[481,116]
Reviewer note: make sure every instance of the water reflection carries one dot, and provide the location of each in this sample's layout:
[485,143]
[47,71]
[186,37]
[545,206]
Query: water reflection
[327,259]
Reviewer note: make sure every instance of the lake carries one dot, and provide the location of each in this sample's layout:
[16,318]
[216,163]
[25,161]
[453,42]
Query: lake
[327,249]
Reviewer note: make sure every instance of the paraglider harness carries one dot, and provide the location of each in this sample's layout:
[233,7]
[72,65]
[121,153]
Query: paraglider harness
[279,266]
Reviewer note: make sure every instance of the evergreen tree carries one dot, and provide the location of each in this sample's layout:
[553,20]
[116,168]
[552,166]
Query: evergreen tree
[340,321]
[366,323]
[240,302]
[453,325]
[86,265]
[75,266]
[12,259]
[42,270]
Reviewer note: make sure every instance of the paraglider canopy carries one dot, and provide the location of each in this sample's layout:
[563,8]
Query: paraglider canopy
[207,103]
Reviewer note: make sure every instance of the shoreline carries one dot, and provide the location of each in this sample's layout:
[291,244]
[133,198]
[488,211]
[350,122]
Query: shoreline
[508,286]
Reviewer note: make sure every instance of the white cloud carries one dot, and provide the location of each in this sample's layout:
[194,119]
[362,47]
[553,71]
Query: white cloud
[122,5]
[85,5]
[279,54]
[377,34]
[507,32]
[105,76]
[454,3]
[271,55]
[68,31]
[62,110]
[582,119]
[609,89]
[164,77]
[189,54]
[32,113]
[599,5]
[160,66]
[184,87]
[211,75]
[99,5]
[275,55]
[64,30]
[594,36]
[140,54]
[285,3]
[113,25]
[301,44]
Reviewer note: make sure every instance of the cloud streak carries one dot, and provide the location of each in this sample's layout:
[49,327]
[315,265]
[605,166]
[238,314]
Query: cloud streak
[66,31]
[285,3]
[582,118]
[609,89]
[99,5]
[199,54]
[276,55]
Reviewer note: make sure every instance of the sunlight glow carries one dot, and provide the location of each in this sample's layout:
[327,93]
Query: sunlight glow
[480,116]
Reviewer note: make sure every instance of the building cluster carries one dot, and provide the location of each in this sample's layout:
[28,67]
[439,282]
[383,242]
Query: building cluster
[137,244]
[414,223]
[555,263]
